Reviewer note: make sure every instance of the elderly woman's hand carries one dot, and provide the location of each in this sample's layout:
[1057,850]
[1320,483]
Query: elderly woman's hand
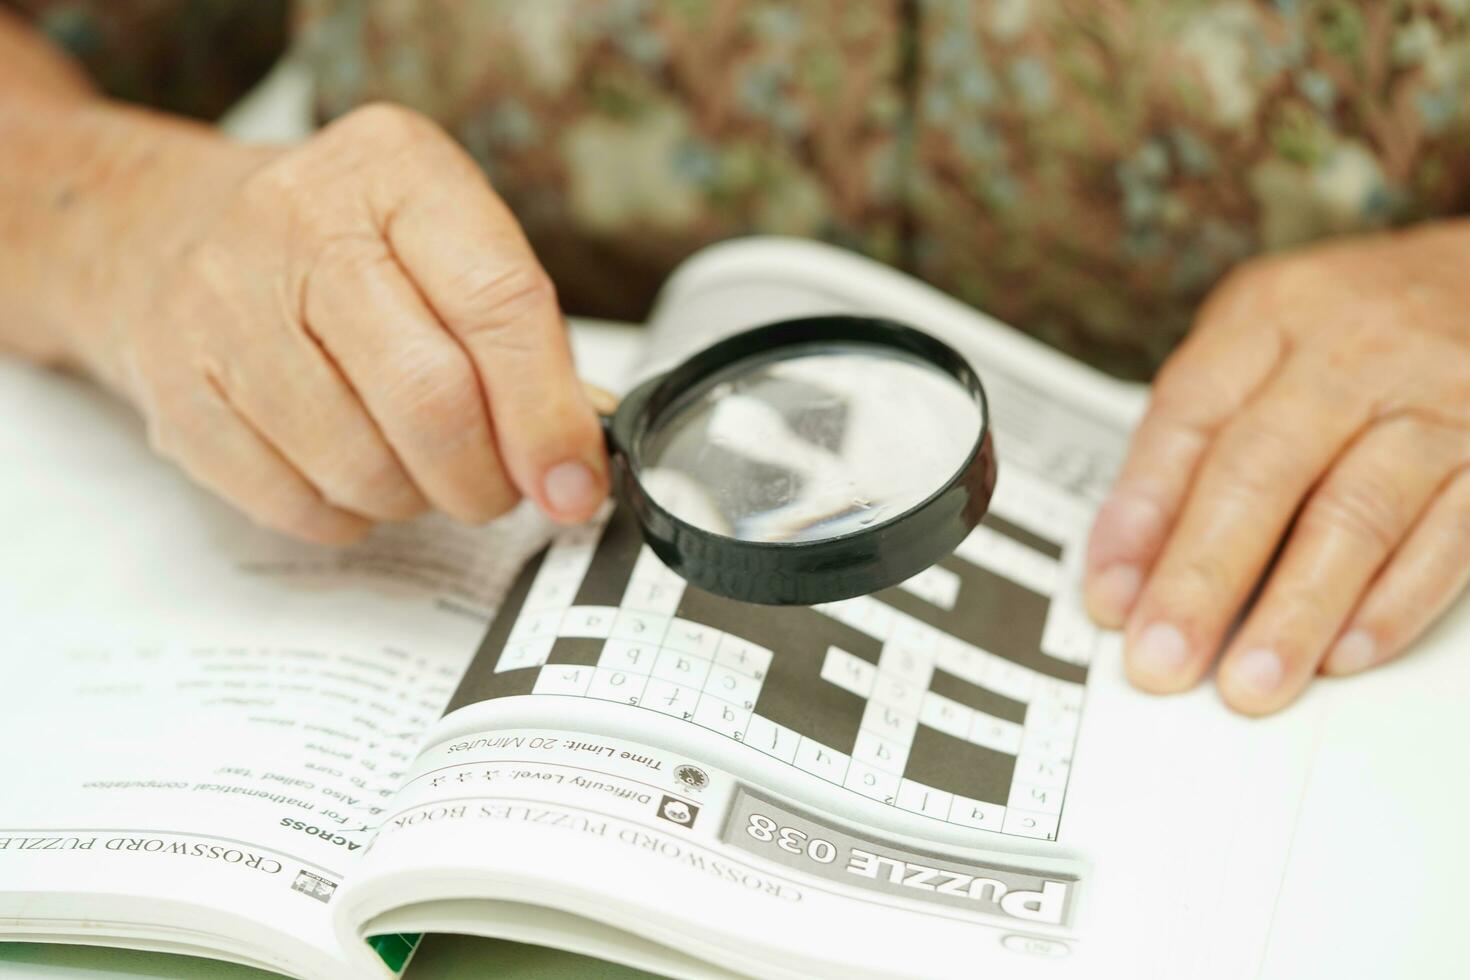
[355,330]
[1320,409]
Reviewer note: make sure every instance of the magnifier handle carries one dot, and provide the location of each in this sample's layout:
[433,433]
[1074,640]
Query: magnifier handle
[605,403]
[602,400]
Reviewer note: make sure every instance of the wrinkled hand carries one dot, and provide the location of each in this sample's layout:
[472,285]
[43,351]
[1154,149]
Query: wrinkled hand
[1321,407]
[361,332]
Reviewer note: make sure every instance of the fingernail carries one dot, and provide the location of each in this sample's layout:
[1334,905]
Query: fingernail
[1160,652]
[1257,672]
[1356,651]
[1111,592]
[571,489]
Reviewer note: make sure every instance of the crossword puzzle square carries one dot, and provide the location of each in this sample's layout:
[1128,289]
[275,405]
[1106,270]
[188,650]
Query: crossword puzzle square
[871,782]
[551,594]
[616,685]
[962,767]
[632,655]
[641,626]
[861,613]
[721,716]
[687,637]
[588,621]
[575,650]
[536,625]
[681,668]
[669,698]
[1047,746]
[733,686]
[880,753]
[918,798]
[937,585]
[901,695]
[1038,799]
[911,661]
[1064,694]
[977,813]
[652,597]
[821,761]
[1022,823]
[742,655]
[774,740]
[1008,679]
[525,653]
[561,679]
[884,721]
[1039,771]
[848,672]
[946,715]
[1050,720]
[995,733]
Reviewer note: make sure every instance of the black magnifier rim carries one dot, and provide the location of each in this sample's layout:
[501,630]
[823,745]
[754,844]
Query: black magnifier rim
[814,571]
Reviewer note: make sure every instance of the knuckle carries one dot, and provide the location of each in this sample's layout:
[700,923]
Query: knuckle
[1253,460]
[1366,506]
[1302,614]
[281,178]
[442,417]
[1200,581]
[488,303]
[440,409]
[293,197]
[1189,396]
[436,392]
[334,272]
[387,122]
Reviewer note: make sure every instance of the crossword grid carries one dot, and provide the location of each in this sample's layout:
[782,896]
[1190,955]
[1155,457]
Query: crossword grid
[641,653]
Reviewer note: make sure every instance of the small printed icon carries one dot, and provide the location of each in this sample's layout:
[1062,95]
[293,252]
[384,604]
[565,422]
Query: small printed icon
[1035,946]
[316,886]
[692,776]
[677,811]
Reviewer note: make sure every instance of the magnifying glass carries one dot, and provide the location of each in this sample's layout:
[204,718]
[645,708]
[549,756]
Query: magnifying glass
[806,461]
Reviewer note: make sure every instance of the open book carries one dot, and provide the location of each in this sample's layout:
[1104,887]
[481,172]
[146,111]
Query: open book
[219,742]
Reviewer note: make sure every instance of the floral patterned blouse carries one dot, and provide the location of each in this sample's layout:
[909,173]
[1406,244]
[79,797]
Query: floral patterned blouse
[1084,169]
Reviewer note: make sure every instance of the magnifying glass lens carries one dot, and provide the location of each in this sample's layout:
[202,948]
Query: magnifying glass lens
[809,442]
[806,461]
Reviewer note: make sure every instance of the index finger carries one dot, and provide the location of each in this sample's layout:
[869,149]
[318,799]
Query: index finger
[464,249]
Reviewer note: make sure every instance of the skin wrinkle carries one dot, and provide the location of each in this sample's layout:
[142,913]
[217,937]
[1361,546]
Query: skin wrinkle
[300,519]
[410,508]
[385,219]
[1394,618]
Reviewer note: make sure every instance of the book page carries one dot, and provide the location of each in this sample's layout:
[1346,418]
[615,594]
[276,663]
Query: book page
[205,719]
[942,774]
